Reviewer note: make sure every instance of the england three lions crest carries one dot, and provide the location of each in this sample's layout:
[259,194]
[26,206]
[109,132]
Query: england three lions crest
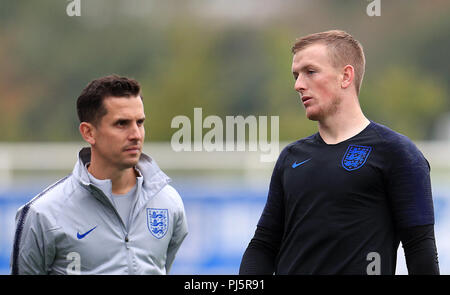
[355,157]
[158,222]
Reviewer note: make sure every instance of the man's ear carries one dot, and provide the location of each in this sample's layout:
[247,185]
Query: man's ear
[348,74]
[87,131]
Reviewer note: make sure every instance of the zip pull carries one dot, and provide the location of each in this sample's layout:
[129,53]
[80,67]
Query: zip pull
[127,240]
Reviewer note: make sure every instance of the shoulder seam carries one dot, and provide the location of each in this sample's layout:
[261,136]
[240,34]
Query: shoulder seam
[299,142]
[173,195]
[379,135]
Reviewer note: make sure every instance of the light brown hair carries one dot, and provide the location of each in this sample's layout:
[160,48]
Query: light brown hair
[343,50]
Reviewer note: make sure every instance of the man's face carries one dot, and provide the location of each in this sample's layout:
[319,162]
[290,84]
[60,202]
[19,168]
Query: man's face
[119,136]
[317,81]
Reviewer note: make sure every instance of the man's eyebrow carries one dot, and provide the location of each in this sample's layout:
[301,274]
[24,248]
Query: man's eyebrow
[304,67]
[128,119]
[121,120]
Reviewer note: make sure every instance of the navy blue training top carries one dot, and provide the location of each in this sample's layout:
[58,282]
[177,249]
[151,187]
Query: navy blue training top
[330,207]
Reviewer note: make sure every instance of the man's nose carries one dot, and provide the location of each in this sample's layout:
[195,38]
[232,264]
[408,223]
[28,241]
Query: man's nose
[299,85]
[135,132]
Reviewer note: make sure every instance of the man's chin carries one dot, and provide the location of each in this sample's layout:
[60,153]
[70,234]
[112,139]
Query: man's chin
[130,163]
[313,116]
[126,166]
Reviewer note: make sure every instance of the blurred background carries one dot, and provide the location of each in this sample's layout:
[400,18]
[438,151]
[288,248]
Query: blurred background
[229,58]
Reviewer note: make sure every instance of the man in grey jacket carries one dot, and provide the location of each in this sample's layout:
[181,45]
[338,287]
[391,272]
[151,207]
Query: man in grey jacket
[115,213]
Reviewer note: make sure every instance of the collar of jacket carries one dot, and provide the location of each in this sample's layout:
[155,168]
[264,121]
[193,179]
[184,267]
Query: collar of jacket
[150,181]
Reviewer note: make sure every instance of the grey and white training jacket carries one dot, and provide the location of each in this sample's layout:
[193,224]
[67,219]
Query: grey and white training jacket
[73,227]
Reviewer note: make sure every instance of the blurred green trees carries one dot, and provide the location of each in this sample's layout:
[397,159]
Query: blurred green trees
[185,57]
[406,99]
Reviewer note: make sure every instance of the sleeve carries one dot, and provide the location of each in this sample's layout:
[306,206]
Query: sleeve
[33,251]
[420,250]
[409,186]
[259,257]
[179,234]
[411,200]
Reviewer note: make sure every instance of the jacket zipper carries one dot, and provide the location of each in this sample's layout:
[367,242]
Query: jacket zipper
[124,229]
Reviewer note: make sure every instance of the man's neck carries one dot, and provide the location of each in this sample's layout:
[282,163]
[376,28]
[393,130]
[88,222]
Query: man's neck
[343,125]
[122,180]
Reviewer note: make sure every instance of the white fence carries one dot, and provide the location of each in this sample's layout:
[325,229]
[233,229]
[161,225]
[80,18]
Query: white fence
[53,156]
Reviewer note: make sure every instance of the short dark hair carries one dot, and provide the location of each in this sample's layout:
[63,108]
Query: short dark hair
[90,107]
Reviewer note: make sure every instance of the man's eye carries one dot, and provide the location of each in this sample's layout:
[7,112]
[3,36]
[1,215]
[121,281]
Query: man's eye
[310,72]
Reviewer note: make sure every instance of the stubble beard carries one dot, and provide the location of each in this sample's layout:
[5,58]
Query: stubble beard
[327,112]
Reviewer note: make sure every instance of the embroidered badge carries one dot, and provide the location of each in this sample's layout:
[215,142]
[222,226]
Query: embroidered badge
[157,222]
[355,157]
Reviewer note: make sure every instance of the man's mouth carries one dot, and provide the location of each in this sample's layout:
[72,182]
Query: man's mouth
[133,149]
[306,97]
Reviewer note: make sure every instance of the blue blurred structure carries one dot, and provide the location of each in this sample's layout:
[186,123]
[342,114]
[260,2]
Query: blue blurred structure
[221,221]
[223,202]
